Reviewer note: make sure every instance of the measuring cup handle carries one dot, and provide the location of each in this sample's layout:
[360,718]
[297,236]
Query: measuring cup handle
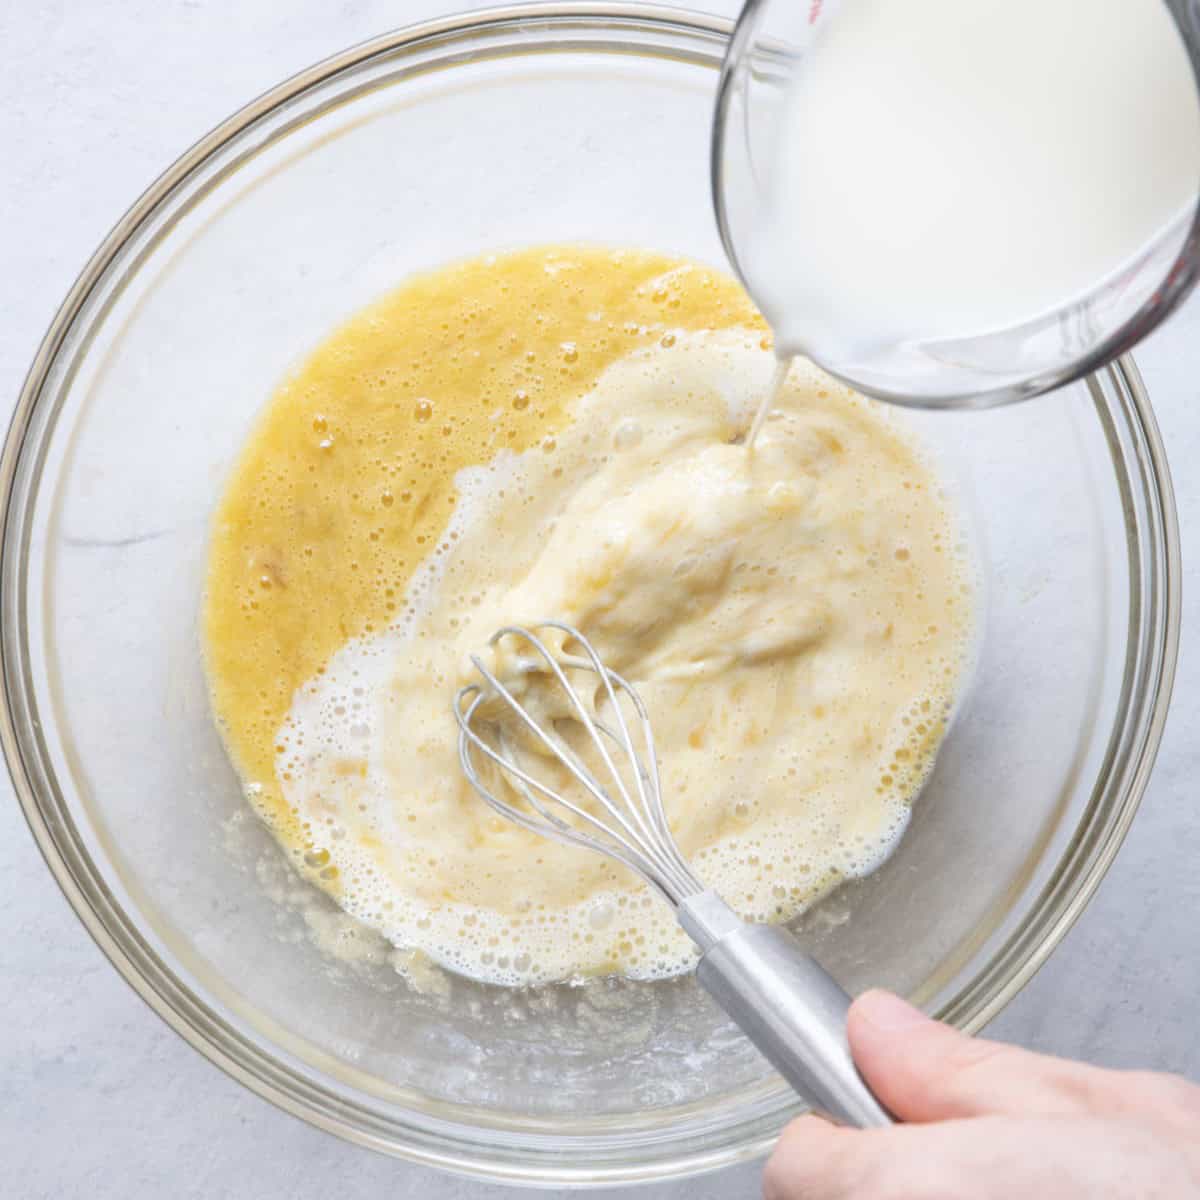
[786,1003]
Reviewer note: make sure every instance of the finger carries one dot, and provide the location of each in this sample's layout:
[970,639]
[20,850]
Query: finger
[813,1160]
[926,1071]
[1162,1100]
[818,1161]
[992,1158]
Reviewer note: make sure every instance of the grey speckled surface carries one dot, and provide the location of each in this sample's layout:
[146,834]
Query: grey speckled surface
[97,1097]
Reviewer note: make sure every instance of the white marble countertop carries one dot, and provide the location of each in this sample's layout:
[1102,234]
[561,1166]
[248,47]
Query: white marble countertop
[98,1098]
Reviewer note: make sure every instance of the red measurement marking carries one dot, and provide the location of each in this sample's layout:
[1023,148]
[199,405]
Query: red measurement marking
[814,11]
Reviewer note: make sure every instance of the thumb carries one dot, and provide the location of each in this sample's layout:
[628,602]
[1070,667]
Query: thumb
[926,1071]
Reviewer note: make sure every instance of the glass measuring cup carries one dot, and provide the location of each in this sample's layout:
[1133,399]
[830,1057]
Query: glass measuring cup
[768,49]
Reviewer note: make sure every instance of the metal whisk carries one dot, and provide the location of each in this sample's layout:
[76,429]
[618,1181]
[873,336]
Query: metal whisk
[783,1000]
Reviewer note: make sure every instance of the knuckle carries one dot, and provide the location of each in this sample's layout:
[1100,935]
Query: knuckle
[969,1072]
[782,1174]
[1168,1093]
[777,1181]
[879,1181]
[800,1132]
[1065,1087]
[807,1162]
[1083,1088]
[975,1054]
[795,1142]
[900,1178]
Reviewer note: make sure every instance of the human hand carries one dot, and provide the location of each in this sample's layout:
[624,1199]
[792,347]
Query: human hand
[988,1121]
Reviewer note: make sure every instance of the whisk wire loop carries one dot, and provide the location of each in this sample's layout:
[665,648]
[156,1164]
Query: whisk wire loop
[631,826]
[558,748]
[558,829]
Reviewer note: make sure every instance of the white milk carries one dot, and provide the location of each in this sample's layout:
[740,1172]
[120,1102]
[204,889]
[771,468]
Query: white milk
[948,167]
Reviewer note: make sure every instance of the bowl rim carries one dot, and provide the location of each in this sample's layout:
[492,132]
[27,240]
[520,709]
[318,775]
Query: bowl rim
[1009,970]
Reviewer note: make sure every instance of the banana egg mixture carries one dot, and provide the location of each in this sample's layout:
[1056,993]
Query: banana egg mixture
[555,433]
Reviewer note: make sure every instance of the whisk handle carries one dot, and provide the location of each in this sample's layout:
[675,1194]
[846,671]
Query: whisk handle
[786,1003]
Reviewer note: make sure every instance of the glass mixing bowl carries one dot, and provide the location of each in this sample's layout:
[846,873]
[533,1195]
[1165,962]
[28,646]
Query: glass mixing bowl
[520,125]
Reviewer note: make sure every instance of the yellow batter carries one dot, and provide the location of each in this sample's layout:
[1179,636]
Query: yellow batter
[550,434]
